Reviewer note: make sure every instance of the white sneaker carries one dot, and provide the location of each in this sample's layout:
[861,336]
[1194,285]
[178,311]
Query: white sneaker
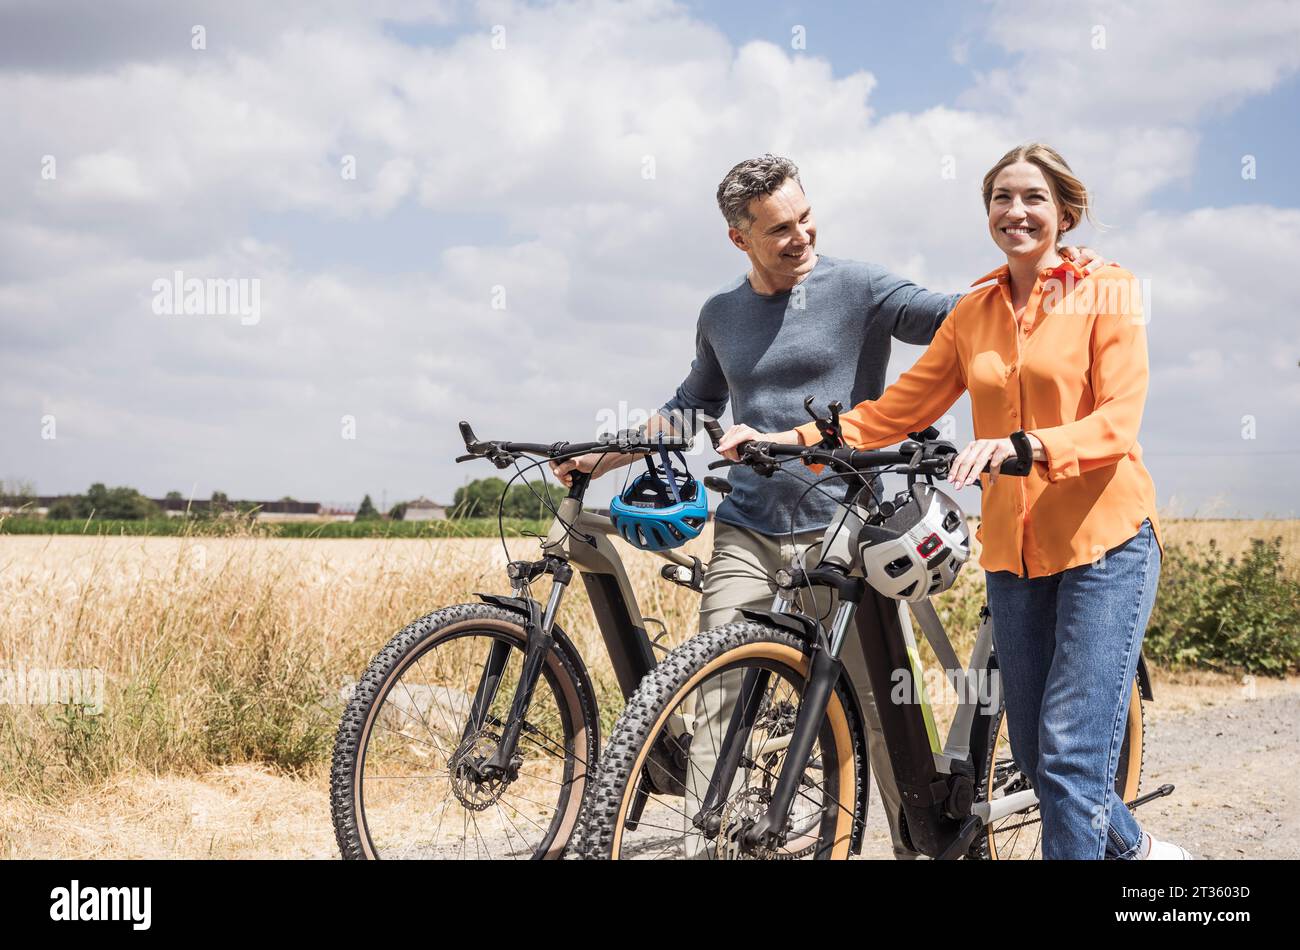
[1165,851]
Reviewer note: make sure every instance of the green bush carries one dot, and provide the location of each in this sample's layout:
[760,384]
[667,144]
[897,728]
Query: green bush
[1226,614]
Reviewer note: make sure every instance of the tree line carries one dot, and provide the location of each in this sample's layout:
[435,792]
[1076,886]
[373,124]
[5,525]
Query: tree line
[478,499]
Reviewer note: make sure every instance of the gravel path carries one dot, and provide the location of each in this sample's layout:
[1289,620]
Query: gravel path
[1231,765]
[1233,769]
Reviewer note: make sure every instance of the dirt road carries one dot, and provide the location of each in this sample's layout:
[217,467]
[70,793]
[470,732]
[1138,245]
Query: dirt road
[1229,748]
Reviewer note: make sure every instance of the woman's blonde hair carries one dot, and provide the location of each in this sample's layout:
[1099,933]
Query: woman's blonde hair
[1071,194]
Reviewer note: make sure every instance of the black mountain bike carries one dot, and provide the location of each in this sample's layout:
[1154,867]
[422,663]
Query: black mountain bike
[472,732]
[790,772]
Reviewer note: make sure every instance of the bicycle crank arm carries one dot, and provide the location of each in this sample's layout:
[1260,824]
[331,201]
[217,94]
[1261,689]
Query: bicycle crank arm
[971,827]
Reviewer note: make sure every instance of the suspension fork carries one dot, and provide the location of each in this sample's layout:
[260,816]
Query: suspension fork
[824,673]
[743,715]
[538,628]
[488,685]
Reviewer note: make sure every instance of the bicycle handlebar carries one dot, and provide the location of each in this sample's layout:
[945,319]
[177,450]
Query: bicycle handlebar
[928,457]
[504,454]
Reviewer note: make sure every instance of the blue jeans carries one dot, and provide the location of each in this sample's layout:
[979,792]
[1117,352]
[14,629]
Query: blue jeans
[1067,647]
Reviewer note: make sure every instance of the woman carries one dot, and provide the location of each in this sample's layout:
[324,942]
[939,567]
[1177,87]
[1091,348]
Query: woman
[1071,552]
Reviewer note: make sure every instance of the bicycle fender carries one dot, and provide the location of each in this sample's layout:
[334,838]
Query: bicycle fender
[1144,680]
[806,628]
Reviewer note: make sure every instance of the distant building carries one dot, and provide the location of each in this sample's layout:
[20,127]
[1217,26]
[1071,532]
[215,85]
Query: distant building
[424,510]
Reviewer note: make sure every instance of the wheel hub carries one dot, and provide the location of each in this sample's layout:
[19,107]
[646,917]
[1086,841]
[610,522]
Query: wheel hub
[476,784]
[738,816]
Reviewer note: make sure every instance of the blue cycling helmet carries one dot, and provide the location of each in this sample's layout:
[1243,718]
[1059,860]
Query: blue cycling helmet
[662,509]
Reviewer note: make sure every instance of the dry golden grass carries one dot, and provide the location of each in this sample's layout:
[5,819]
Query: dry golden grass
[224,657]
[224,650]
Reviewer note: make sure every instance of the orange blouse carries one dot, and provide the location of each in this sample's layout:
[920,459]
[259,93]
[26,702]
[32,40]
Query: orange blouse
[1074,373]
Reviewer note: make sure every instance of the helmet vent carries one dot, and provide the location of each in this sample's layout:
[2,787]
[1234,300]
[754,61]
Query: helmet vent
[898,566]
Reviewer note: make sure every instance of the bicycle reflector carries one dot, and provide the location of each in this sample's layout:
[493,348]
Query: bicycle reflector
[917,551]
[663,508]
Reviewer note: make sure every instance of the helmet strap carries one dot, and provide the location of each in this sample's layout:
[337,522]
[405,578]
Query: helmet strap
[669,475]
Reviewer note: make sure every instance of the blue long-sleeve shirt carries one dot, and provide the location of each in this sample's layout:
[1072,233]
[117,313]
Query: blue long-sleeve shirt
[828,338]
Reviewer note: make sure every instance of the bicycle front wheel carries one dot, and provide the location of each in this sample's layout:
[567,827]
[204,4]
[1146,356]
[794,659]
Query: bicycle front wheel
[742,682]
[411,776]
[1018,837]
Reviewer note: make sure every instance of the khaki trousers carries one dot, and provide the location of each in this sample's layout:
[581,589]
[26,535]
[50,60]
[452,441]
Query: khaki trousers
[740,575]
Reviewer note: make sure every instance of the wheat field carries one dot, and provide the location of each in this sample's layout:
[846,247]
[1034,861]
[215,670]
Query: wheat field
[220,653]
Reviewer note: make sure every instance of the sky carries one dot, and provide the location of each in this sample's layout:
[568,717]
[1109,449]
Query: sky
[503,212]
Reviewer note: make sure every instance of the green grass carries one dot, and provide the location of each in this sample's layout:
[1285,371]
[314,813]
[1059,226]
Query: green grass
[174,527]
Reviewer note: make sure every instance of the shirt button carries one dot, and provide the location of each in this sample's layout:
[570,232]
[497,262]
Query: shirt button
[1013,414]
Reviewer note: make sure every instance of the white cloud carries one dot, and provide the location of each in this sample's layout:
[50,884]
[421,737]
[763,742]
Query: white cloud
[169,161]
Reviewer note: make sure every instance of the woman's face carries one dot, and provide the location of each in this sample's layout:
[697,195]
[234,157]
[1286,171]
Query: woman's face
[1024,217]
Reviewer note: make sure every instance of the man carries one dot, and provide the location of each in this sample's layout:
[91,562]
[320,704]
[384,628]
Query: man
[797,324]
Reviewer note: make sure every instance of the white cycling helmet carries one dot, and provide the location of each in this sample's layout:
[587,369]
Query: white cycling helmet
[919,549]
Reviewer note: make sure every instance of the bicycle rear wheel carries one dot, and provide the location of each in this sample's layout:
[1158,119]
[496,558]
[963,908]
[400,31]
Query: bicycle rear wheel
[651,785]
[1018,837]
[409,777]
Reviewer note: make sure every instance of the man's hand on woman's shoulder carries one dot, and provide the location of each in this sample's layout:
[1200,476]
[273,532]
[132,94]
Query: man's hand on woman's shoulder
[1085,257]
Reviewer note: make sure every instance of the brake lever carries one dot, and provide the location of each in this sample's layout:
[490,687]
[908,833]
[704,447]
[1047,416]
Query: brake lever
[756,457]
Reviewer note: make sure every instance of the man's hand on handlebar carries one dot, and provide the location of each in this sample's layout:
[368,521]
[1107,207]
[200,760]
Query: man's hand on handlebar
[737,435]
[595,464]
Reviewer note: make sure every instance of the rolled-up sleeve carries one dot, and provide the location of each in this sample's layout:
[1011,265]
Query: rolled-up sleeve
[704,391]
[1118,376]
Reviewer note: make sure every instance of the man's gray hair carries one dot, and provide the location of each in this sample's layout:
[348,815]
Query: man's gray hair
[752,179]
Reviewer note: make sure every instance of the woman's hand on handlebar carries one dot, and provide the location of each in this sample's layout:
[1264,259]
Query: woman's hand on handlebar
[967,465]
[737,435]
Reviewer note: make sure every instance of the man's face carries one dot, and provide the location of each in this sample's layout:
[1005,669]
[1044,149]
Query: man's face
[782,236]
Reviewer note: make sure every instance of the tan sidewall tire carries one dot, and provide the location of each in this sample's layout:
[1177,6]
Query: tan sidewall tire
[798,663]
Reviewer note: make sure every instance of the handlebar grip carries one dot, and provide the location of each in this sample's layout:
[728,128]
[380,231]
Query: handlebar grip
[467,434]
[714,430]
[1023,463]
